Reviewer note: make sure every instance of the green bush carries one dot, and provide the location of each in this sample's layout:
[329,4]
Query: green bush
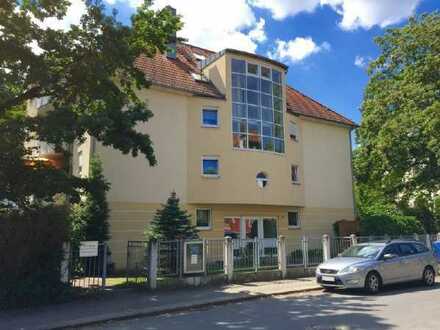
[381,220]
[30,255]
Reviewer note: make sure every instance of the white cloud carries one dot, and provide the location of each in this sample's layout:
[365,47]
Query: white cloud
[361,61]
[257,33]
[73,15]
[368,13]
[355,13]
[297,49]
[280,9]
[215,24]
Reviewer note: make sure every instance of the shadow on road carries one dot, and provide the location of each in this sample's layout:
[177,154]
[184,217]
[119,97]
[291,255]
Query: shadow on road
[305,311]
[393,289]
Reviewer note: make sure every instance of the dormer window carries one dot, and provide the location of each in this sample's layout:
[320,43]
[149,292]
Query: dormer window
[257,107]
[199,57]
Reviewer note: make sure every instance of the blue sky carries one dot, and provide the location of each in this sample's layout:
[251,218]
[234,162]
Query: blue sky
[320,40]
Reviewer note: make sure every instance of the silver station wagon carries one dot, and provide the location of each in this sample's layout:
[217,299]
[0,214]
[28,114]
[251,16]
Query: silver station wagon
[372,265]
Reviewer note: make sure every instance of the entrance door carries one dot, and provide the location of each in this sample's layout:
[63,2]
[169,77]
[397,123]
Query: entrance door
[262,229]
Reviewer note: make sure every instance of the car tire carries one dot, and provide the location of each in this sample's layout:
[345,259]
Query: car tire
[429,276]
[373,283]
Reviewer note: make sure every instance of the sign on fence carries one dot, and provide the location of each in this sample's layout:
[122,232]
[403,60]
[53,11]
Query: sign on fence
[194,257]
[88,249]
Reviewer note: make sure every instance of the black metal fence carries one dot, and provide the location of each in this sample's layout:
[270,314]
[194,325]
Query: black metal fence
[88,271]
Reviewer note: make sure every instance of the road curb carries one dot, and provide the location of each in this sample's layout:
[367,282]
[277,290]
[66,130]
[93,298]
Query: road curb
[174,309]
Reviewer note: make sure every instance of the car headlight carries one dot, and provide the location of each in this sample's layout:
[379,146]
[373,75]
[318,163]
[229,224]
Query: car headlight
[349,269]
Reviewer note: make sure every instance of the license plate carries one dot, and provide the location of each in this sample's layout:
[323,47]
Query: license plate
[328,279]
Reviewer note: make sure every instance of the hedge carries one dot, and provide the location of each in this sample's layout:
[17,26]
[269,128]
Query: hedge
[30,255]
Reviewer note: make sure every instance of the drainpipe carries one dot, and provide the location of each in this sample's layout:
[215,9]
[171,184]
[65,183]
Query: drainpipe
[352,176]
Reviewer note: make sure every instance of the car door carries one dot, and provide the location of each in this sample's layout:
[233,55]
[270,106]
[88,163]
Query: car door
[390,269]
[408,264]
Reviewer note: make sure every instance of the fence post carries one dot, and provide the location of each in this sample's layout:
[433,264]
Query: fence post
[428,241]
[416,237]
[152,269]
[282,260]
[326,247]
[305,246]
[353,239]
[65,263]
[438,236]
[228,257]
[256,255]
[104,265]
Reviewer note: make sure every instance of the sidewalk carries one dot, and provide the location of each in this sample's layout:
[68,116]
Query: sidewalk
[120,304]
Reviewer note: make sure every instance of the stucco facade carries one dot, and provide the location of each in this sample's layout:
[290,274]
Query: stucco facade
[321,152]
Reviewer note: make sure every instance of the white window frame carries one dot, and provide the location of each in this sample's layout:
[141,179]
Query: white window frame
[218,167]
[264,182]
[298,226]
[209,227]
[297,174]
[209,109]
[296,138]
[251,74]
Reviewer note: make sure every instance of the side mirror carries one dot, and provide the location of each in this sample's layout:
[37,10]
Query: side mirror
[389,256]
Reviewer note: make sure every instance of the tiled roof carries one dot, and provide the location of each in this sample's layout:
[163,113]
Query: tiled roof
[298,103]
[177,74]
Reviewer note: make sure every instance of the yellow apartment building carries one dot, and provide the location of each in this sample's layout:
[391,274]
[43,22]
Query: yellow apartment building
[248,155]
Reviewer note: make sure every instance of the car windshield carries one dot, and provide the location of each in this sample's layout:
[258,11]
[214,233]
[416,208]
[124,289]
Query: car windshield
[362,251]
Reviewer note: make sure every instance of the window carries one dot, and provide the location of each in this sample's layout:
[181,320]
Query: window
[420,248]
[262,180]
[294,174]
[257,107]
[391,249]
[210,166]
[293,219]
[293,131]
[407,249]
[203,219]
[210,117]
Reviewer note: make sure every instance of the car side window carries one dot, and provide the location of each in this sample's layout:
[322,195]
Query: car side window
[406,249]
[391,249]
[420,248]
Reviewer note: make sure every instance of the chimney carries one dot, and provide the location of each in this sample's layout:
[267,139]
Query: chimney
[172,45]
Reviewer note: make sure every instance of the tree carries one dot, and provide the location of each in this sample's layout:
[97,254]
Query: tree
[380,219]
[89,76]
[90,216]
[399,141]
[171,222]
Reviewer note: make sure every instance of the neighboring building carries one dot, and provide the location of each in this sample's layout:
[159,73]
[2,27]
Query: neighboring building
[247,155]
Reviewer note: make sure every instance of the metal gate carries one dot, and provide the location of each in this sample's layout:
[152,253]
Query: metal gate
[88,271]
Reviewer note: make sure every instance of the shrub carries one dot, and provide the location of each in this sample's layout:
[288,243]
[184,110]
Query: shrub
[387,220]
[30,255]
[89,217]
[171,222]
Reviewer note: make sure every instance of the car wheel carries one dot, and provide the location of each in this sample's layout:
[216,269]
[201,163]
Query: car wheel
[373,283]
[429,276]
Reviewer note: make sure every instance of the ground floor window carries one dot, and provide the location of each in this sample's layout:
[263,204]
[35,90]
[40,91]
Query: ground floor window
[251,227]
[293,218]
[203,219]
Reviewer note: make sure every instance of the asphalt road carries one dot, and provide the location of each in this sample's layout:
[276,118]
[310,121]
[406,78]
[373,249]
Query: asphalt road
[409,306]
